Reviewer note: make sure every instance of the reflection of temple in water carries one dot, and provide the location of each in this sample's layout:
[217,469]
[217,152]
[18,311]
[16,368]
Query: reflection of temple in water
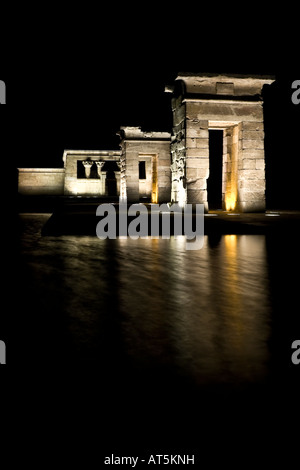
[182,167]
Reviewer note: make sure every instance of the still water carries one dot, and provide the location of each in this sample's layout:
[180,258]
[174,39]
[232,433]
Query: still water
[151,306]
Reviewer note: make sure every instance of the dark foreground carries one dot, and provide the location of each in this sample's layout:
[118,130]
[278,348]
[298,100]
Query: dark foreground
[144,347]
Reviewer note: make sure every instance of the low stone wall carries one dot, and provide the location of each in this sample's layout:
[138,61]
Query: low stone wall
[41,181]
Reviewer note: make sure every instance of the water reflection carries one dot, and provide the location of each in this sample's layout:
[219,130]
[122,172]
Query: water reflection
[205,312]
[151,305]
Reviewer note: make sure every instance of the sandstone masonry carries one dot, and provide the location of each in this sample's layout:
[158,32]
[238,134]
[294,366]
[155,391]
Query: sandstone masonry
[161,167]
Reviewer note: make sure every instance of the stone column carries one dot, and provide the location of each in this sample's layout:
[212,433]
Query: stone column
[178,193]
[103,183]
[87,167]
[118,175]
[99,167]
[123,192]
[178,153]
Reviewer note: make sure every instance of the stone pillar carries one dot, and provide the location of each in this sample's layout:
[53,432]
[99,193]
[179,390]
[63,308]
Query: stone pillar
[103,183]
[178,153]
[87,167]
[197,157]
[230,168]
[99,167]
[123,192]
[251,173]
[117,173]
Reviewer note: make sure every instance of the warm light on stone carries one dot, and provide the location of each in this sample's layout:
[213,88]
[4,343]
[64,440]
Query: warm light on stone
[160,167]
[231,103]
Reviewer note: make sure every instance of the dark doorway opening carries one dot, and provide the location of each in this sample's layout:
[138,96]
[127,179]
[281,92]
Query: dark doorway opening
[142,170]
[214,182]
[110,167]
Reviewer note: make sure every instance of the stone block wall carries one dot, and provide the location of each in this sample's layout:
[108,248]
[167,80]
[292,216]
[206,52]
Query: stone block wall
[151,147]
[230,103]
[41,181]
[90,186]
[178,152]
[251,171]
[197,157]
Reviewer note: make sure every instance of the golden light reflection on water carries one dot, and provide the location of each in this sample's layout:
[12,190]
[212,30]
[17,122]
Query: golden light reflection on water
[232,298]
[204,314]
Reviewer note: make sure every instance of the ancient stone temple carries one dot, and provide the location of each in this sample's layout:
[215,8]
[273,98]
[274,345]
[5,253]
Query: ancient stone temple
[158,167]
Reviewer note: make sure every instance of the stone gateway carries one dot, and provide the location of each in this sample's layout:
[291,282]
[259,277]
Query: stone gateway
[159,167]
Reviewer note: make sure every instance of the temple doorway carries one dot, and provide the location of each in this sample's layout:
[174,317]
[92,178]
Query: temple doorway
[110,168]
[214,181]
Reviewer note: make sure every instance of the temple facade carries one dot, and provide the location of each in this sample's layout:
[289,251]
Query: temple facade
[157,167]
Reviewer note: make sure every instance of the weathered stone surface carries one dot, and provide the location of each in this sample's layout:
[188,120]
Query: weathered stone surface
[197,196]
[202,143]
[226,84]
[197,162]
[253,144]
[252,206]
[248,196]
[41,181]
[251,174]
[224,111]
[251,185]
[191,142]
[252,126]
[197,153]
[248,164]
[260,164]
[252,153]
[179,114]
[253,135]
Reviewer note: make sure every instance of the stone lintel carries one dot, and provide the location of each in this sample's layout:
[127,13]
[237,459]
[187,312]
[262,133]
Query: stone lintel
[41,170]
[136,133]
[85,154]
[224,84]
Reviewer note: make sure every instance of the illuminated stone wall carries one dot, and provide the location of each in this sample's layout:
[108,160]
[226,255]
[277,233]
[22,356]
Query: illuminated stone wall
[160,167]
[154,149]
[43,181]
[85,174]
[234,104]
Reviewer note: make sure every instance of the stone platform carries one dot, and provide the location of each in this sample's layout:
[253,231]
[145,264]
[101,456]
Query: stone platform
[79,218]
